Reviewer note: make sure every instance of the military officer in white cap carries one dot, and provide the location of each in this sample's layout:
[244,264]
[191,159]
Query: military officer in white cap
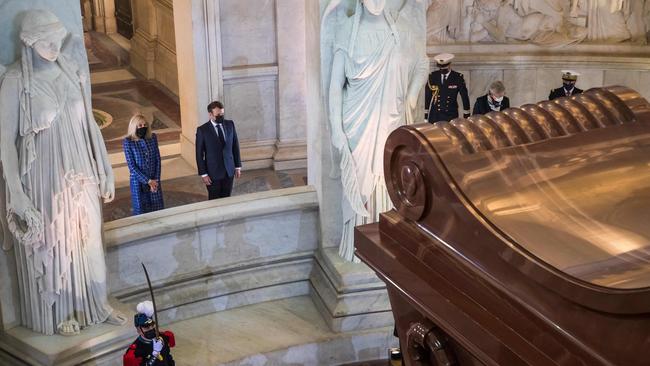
[442,89]
[568,88]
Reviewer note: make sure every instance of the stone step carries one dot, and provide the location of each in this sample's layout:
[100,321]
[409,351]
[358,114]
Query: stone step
[283,332]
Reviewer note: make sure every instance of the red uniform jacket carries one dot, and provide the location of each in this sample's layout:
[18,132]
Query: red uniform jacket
[138,351]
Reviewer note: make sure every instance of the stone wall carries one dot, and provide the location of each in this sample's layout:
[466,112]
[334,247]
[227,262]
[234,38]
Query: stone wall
[530,72]
[526,43]
[153,46]
[103,16]
[250,55]
[216,255]
[550,23]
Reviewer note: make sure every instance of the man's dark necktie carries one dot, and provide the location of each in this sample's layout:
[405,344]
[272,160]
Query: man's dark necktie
[219,129]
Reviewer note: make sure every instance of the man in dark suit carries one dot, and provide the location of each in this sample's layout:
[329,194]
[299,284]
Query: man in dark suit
[569,79]
[217,152]
[442,89]
[494,100]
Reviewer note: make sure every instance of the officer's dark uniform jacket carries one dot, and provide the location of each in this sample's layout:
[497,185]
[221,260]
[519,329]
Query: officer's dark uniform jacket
[482,106]
[445,108]
[559,92]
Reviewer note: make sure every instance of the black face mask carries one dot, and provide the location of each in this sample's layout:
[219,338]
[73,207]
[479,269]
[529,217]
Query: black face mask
[568,85]
[141,132]
[150,334]
[444,70]
[219,119]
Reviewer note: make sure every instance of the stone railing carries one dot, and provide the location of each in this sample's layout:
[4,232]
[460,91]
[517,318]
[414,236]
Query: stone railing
[216,255]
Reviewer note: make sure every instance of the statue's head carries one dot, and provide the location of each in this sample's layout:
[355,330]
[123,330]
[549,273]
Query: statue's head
[44,32]
[374,7]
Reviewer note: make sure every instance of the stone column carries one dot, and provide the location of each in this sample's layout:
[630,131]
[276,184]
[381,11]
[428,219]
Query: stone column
[143,43]
[104,16]
[200,76]
[165,65]
[291,150]
[86,15]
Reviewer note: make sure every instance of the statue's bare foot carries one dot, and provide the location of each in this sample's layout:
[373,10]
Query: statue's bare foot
[68,328]
[116,318]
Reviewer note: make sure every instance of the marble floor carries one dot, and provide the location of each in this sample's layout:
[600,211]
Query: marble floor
[104,52]
[117,94]
[282,332]
[122,99]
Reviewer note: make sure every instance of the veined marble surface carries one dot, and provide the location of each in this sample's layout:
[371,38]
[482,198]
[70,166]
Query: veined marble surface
[126,230]
[30,348]
[349,296]
[283,332]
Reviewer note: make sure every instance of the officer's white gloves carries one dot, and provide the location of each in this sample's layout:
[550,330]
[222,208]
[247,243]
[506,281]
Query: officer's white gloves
[157,346]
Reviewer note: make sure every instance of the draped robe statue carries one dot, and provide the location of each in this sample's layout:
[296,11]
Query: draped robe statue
[55,168]
[378,69]
[606,22]
[444,21]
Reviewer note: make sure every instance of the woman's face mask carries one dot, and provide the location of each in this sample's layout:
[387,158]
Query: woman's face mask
[141,132]
[374,7]
[48,48]
[496,97]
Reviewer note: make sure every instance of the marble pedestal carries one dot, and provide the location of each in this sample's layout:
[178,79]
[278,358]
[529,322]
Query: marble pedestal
[348,295]
[290,155]
[21,346]
[282,332]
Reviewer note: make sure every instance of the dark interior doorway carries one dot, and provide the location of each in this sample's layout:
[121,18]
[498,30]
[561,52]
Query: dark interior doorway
[124,17]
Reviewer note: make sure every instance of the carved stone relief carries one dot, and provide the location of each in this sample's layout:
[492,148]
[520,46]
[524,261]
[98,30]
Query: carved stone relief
[543,22]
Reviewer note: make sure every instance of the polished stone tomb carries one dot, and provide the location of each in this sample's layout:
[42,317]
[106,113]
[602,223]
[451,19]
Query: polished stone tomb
[520,237]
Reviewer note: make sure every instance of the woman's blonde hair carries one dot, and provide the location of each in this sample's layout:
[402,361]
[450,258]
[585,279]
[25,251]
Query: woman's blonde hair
[133,125]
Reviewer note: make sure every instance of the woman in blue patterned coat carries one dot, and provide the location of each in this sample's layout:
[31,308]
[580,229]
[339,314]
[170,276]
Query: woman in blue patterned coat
[143,159]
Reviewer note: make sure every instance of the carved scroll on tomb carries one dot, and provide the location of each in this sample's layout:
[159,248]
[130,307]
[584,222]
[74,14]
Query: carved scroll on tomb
[520,237]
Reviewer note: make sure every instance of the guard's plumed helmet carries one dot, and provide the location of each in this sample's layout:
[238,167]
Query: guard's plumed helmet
[144,315]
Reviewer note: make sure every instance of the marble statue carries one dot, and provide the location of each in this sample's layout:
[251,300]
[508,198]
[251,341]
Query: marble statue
[543,22]
[528,24]
[375,68]
[606,21]
[484,13]
[5,234]
[636,15]
[444,21]
[56,168]
[551,8]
